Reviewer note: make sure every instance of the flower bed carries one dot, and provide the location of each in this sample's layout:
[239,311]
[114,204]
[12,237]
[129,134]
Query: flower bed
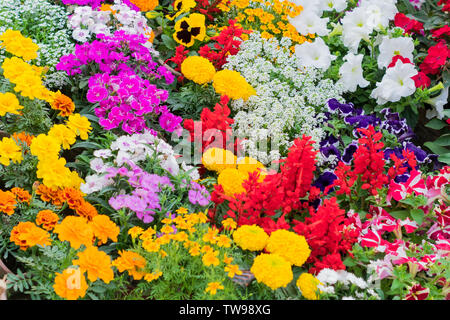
[224,149]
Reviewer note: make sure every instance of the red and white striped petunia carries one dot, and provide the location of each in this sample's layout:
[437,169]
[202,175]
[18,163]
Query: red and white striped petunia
[417,292]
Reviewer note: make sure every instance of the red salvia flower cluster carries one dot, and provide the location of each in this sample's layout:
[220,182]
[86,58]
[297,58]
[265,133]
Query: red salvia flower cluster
[213,124]
[400,166]
[208,9]
[368,165]
[329,234]
[280,191]
[180,56]
[226,43]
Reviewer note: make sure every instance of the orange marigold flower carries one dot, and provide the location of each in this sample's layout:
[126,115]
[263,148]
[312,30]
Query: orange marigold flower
[24,137]
[70,284]
[53,195]
[22,195]
[210,258]
[104,228]
[47,218]
[86,210]
[73,197]
[97,264]
[135,232]
[64,104]
[76,230]
[132,262]
[149,277]
[7,202]
[27,235]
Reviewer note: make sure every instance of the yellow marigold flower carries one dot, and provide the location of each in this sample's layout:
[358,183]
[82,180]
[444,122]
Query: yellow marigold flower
[162,253]
[207,248]
[210,258]
[135,232]
[14,42]
[9,104]
[150,245]
[63,135]
[53,172]
[217,159]
[104,228]
[149,277]
[9,151]
[21,195]
[132,262]
[63,103]
[307,284]
[272,270]
[96,263]
[224,241]
[229,224]
[27,235]
[230,83]
[148,234]
[250,237]
[226,259]
[211,235]
[47,218]
[231,180]
[182,210]
[198,69]
[70,284]
[289,245]
[80,125]
[76,230]
[145,5]
[249,164]
[194,250]
[164,239]
[213,287]
[44,146]
[167,229]
[181,236]
[232,270]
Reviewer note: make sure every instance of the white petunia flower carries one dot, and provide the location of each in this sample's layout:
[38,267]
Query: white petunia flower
[309,22]
[330,5]
[314,54]
[351,73]
[438,103]
[396,83]
[379,12]
[355,27]
[403,46]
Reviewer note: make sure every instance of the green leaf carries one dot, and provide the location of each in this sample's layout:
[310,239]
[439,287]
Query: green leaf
[348,262]
[443,140]
[436,124]
[417,215]
[445,158]
[437,149]
[401,214]
[168,41]
[87,145]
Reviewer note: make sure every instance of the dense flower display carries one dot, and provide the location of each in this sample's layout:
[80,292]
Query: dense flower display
[224,149]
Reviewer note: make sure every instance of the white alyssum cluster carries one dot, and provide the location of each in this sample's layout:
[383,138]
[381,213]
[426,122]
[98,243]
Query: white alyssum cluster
[132,148]
[343,281]
[46,24]
[87,22]
[289,101]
